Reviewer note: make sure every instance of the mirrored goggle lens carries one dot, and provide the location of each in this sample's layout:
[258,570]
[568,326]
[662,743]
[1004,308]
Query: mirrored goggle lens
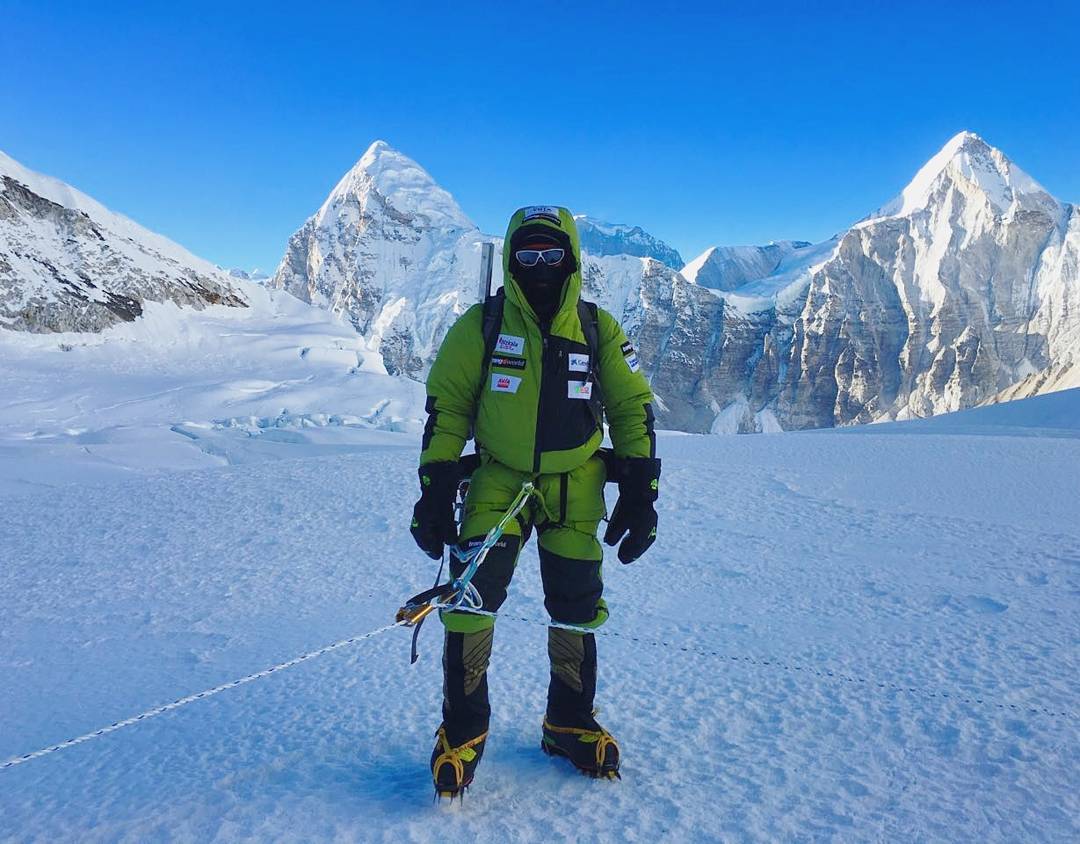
[530,257]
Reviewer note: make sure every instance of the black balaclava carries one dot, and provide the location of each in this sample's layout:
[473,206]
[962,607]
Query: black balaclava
[542,284]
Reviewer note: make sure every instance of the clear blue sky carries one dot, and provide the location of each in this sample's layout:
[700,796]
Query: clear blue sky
[224,125]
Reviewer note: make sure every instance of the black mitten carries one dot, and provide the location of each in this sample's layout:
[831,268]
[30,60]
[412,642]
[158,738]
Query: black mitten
[634,514]
[433,515]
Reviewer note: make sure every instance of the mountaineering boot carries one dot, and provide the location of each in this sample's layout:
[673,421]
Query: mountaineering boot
[570,729]
[452,767]
[466,711]
[592,750]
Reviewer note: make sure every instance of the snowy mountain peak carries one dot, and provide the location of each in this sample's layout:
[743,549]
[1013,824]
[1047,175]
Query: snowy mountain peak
[391,251]
[603,238]
[402,185]
[65,195]
[729,267]
[68,263]
[975,168]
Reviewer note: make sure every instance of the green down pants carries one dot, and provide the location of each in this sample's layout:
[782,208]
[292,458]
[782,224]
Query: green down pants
[566,519]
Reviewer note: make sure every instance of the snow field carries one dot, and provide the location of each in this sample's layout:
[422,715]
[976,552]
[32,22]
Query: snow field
[944,562]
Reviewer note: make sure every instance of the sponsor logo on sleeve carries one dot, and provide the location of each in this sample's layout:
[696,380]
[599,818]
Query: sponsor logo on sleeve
[579,389]
[632,362]
[508,344]
[579,363]
[504,383]
[627,348]
[508,363]
[542,212]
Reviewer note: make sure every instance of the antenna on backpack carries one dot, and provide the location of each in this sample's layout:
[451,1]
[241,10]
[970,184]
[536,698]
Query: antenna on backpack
[487,259]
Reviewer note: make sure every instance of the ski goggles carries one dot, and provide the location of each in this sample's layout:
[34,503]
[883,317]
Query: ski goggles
[531,257]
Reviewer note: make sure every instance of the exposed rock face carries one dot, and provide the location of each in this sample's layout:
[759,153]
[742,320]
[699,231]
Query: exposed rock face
[69,264]
[965,289]
[958,289]
[962,291]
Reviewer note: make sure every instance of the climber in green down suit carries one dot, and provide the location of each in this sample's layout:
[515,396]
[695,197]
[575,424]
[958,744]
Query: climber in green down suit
[535,401]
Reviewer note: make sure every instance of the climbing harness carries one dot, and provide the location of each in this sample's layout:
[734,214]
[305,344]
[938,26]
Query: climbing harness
[458,593]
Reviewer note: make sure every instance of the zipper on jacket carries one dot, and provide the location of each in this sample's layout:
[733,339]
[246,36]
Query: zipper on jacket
[540,398]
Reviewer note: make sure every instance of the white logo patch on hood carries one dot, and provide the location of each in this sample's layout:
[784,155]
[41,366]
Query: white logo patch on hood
[542,212]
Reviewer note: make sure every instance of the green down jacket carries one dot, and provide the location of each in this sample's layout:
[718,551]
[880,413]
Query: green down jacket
[531,408]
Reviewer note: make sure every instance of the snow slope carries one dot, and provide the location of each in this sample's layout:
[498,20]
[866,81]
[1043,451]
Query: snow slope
[67,263]
[821,592]
[178,389]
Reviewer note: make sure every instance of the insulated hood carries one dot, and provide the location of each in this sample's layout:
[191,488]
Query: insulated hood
[559,223]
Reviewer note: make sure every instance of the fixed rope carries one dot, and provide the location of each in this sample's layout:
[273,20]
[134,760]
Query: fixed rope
[184,701]
[794,668]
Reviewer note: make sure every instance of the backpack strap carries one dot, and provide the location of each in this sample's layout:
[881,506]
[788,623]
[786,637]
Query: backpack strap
[493,316]
[589,317]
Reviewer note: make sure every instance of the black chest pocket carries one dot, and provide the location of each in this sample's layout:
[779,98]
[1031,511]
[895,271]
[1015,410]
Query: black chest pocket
[570,406]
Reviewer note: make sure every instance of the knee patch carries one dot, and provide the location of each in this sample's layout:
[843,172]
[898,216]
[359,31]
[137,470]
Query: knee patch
[573,589]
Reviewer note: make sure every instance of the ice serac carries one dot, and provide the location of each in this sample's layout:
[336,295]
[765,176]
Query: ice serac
[599,238]
[391,251]
[67,263]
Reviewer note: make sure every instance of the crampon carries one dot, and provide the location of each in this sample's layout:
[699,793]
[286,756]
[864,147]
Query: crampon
[452,768]
[594,753]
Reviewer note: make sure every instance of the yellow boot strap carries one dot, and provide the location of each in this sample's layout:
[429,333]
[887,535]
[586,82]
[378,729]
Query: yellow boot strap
[453,756]
[602,738]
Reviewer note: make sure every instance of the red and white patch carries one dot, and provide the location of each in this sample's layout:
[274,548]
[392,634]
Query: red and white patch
[504,383]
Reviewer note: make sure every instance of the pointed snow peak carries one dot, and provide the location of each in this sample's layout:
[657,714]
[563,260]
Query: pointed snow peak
[403,185]
[970,164]
[693,268]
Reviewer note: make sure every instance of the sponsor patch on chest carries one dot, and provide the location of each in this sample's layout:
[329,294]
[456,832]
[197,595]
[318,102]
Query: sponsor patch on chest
[579,363]
[508,363]
[579,389]
[508,344]
[504,383]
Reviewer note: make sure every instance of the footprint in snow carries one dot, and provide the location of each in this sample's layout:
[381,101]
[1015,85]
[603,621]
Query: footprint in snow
[971,603]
